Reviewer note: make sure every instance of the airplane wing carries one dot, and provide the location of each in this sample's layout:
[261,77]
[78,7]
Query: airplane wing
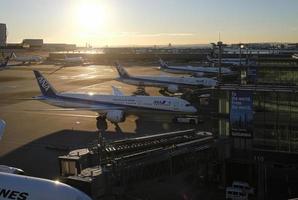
[117,92]
[59,68]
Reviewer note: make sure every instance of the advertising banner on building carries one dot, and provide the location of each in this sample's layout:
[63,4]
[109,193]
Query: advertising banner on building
[241,114]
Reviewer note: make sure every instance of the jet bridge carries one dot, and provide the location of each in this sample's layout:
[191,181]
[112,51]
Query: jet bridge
[127,161]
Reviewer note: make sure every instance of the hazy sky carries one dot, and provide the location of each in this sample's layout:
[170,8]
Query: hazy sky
[148,22]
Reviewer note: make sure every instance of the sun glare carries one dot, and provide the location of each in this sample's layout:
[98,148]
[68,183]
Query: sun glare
[90,16]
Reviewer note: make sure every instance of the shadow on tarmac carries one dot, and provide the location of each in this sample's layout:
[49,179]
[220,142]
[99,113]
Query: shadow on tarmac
[40,157]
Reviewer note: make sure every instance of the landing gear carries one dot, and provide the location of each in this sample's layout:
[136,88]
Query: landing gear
[164,92]
[101,123]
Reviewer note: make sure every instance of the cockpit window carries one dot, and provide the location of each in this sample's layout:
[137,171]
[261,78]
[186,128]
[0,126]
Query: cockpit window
[187,105]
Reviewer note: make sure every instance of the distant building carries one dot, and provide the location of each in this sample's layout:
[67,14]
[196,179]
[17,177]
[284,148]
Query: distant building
[59,47]
[3,35]
[32,43]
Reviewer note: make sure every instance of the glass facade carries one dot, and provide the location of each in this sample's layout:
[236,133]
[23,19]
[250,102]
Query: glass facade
[276,121]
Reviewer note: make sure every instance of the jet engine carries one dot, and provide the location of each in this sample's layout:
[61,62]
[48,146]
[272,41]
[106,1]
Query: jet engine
[116,116]
[199,74]
[173,88]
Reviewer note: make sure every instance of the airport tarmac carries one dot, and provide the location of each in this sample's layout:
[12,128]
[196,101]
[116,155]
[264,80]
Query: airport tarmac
[35,135]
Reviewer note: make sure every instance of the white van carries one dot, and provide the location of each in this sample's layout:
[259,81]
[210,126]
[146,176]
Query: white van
[236,194]
[243,186]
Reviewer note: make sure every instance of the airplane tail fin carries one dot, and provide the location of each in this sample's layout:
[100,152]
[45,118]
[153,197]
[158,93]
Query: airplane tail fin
[2,127]
[12,55]
[121,71]
[162,63]
[44,85]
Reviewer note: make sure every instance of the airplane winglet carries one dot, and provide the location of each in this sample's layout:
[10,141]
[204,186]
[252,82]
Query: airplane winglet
[2,127]
[117,92]
[162,63]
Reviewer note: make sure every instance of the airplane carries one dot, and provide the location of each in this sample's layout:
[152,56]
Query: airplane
[172,84]
[196,71]
[14,185]
[73,60]
[26,59]
[231,61]
[69,62]
[111,107]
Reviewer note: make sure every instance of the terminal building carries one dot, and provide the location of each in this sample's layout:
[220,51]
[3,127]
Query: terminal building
[3,35]
[32,43]
[260,121]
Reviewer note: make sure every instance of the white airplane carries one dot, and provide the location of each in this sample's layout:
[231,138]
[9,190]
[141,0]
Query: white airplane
[21,187]
[73,60]
[5,168]
[231,61]
[16,186]
[172,84]
[112,107]
[196,71]
[26,59]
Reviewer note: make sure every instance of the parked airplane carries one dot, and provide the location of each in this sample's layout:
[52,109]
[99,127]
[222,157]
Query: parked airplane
[73,60]
[172,84]
[26,59]
[16,186]
[196,71]
[69,62]
[21,187]
[112,107]
[231,61]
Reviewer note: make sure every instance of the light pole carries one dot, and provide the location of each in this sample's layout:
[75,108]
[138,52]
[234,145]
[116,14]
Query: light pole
[241,46]
[219,44]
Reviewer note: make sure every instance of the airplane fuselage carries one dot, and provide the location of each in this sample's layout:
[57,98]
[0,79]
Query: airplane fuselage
[183,82]
[28,59]
[193,70]
[30,188]
[105,103]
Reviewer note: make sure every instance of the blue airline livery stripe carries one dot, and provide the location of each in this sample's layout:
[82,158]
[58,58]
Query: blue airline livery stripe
[159,81]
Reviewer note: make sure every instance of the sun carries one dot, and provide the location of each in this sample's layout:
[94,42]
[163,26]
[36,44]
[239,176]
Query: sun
[90,16]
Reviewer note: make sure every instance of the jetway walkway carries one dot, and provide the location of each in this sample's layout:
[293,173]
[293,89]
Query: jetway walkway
[259,88]
[127,161]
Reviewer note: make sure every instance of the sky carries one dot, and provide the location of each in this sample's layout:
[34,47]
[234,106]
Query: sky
[150,22]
